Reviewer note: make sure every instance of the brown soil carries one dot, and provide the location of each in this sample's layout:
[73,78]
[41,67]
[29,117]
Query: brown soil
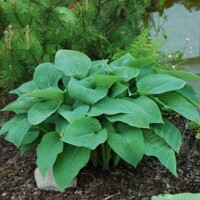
[124,182]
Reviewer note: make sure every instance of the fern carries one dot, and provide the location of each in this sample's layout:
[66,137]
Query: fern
[143,46]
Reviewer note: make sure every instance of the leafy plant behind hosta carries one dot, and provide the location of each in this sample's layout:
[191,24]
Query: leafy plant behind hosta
[78,110]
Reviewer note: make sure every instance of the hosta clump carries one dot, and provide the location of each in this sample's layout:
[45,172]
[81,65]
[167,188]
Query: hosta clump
[77,110]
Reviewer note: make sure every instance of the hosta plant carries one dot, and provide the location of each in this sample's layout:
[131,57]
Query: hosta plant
[77,110]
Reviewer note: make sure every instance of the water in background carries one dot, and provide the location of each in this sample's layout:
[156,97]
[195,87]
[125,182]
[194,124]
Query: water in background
[182,28]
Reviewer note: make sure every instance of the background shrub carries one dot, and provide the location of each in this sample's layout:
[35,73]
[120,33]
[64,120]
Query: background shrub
[37,29]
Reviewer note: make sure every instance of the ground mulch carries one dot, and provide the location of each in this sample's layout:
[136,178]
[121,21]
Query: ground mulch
[124,182]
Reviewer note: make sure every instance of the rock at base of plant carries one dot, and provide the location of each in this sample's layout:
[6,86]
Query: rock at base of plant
[47,182]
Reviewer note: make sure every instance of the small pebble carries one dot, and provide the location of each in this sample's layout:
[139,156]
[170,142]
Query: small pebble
[79,192]
[4,194]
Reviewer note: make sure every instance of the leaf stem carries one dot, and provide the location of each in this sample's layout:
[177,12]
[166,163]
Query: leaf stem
[105,152]
[116,160]
[95,157]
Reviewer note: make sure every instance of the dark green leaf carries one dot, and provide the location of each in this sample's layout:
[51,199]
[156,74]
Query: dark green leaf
[30,137]
[69,163]
[109,106]
[122,61]
[22,104]
[27,87]
[79,91]
[137,119]
[41,111]
[169,133]
[179,104]
[84,130]
[128,144]
[106,80]
[48,150]
[46,75]
[53,93]
[18,130]
[178,74]
[118,89]
[159,83]
[150,107]
[9,124]
[145,71]
[156,146]
[72,62]
[77,113]
[188,92]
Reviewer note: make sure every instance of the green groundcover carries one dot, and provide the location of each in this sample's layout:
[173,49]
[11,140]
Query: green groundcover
[183,196]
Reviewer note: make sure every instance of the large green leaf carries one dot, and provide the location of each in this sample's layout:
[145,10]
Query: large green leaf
[128,144]
[150,107]
[106,80]
[127,73]
[53,93]
[159,83]
[30,137]
[48,150]
[178,74]
[79,91]
[98,67]
[61,125]
[24,88]
[9,124]
[181,196]
[137,119]
[16,91]
[46,75]
[135,115]
[68,100]
[145,71]
[188,92]
[110,106]
[25,147]
[118,89]
[156,146]
[41,111]
[69,163]
[65,80]
[22,104]
[72,62]
[27,87]
[77,113]
[18,130]
[179,104]
[169,133]
[85,132]
[122,61]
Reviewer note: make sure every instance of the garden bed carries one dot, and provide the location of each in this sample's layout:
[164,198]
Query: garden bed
[124,182]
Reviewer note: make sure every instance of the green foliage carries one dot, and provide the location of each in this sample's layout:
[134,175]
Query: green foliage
[197,136]
[85,110]
[35,30]
[181,196]
[142,46]
[196,128]
[145,46]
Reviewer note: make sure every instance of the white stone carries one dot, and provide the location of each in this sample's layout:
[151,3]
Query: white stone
[47,182]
